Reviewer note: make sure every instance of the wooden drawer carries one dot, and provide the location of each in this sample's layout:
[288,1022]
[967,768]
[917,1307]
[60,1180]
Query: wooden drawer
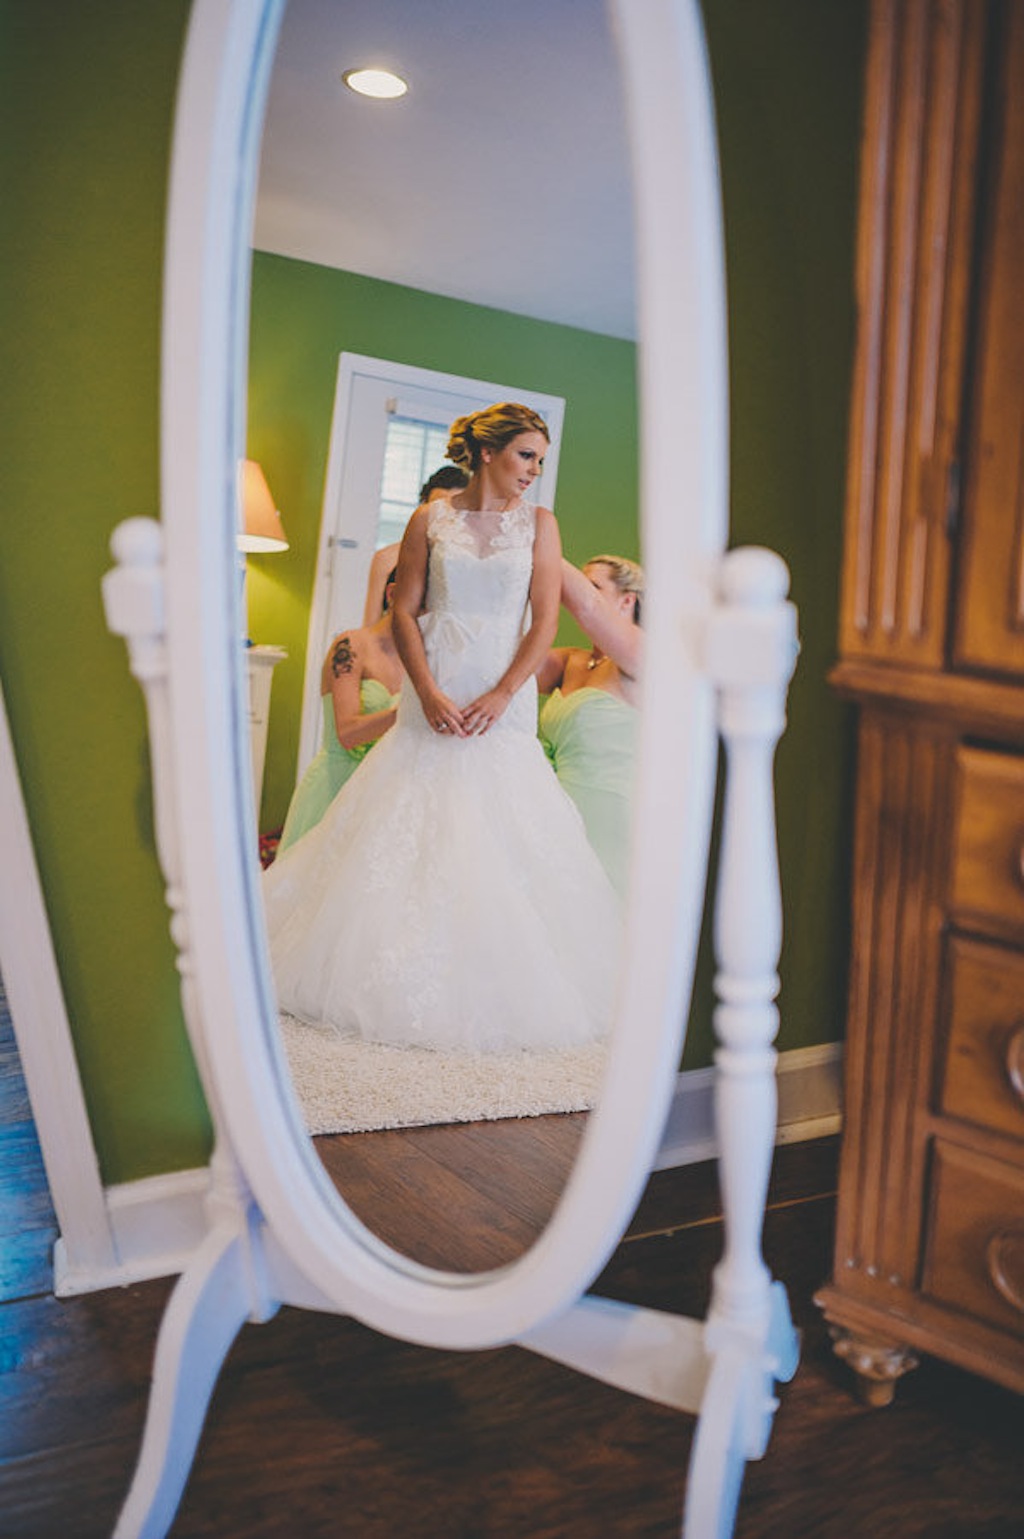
[982,1077]
[974,1258]
[987,877]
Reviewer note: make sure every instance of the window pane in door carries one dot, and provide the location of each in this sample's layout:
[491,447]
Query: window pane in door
[413,450]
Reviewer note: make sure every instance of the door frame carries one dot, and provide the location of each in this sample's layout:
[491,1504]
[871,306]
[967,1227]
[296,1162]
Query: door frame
[351,367]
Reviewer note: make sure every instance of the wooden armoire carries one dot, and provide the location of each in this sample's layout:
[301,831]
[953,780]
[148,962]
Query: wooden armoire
[929,1250]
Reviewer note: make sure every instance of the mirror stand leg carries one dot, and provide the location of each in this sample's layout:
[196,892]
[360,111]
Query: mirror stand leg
[225,1282]
[210,1303]
[749,1335]
[647,1352]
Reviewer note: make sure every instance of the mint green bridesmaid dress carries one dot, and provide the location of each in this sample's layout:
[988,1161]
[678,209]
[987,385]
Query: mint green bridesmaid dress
[332,765]
[590,738]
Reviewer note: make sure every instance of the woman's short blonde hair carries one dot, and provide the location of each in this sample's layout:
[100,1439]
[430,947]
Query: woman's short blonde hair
[492,428]
[627,576]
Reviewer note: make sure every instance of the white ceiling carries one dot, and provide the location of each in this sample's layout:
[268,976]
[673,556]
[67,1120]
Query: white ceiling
[502,177]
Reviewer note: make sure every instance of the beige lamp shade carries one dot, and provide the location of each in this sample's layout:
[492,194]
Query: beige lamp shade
[262,529]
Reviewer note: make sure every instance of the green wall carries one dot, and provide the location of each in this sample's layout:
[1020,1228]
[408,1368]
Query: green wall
[788,83]
[86,97]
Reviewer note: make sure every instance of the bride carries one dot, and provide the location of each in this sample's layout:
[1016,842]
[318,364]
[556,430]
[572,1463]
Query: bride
[449,898]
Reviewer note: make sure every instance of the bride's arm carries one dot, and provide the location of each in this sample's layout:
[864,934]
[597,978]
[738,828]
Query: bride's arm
[545,589]
[410,589]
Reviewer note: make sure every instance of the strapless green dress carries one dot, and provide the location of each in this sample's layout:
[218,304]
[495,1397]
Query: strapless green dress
[331,766]
[590,738]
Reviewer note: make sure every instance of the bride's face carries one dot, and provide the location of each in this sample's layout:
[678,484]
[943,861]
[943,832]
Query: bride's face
[513,470]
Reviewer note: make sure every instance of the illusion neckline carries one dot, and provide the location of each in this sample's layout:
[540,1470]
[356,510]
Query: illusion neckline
[510,507]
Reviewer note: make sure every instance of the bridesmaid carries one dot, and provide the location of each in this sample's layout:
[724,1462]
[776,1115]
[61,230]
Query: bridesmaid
[359,685]
[588,723]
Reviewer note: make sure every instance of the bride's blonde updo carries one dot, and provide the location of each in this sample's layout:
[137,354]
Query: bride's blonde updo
[627,576]
[492,428]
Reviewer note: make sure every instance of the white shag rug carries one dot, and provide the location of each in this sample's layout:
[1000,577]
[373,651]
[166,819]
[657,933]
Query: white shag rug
[355,1087]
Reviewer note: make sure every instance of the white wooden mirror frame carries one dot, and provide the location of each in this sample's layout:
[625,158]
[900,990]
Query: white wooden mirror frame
[722,648]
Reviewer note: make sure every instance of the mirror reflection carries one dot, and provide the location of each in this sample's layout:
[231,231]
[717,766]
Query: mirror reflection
[445,904]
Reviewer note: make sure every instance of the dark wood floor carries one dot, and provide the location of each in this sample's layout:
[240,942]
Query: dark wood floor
[320,1428]
[462,1197]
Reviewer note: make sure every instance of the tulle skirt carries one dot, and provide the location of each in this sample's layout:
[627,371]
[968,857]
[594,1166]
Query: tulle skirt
[449,899]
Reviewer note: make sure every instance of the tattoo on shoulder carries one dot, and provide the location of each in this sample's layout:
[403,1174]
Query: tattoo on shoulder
[341,657]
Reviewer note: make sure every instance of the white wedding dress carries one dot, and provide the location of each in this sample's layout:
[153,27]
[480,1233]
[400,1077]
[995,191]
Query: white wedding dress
[449,898]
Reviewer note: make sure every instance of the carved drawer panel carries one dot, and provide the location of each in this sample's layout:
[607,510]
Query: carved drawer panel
[987,878]
[975,1254]
[983,1071]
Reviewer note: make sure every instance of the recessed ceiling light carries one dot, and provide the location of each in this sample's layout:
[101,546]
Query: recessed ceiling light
[380,83]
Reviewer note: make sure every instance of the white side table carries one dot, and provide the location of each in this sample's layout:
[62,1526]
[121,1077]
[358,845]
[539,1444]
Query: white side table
[262,662]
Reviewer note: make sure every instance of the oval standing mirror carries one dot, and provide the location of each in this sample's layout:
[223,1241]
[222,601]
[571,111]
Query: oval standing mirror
[683,393]
[279,1232]
[523,145]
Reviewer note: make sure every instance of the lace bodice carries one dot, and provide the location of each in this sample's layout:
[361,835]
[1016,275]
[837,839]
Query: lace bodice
[480,563]
[477,607]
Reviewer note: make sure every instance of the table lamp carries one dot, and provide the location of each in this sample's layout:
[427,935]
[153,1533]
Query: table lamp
[262,531]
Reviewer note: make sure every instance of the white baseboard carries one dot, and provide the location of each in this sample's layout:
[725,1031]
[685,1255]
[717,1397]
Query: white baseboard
[157,1223]
[809,1087]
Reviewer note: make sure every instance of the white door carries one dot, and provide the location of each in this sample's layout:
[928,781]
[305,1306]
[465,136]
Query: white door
[388,433]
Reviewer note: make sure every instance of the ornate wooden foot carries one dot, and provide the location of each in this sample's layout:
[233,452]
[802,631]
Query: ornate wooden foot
[876,1364]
